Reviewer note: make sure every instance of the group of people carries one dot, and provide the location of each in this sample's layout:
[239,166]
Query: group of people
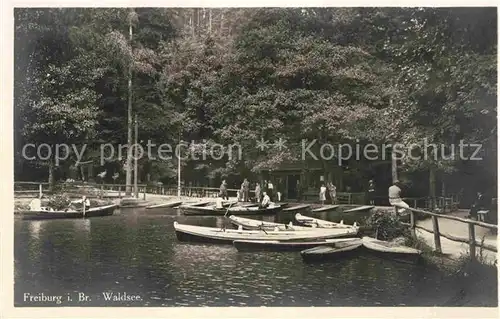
[263,197]
[329,189]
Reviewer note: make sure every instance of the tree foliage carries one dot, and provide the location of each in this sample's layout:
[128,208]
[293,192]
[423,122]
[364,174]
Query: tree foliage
[236,76]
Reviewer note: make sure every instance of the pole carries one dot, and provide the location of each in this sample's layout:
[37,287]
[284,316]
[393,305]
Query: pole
[136,133]
[179,168]
[128,177]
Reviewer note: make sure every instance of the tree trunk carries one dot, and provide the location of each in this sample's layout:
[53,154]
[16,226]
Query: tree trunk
[90,172]
[51,174]
[210,21]
[128,177]
[432,186]
[394,166]
[82,172]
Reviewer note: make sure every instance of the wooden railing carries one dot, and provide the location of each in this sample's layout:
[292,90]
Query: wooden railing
[471,240]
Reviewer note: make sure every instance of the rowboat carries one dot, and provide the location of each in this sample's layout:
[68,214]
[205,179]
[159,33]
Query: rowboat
[390,250]
[253,224]
[235,210]
[324,253]
[296,208]
[60,214]
[359,209]
[196,204]
[325,208]
[276,245]
[227,236]
[320,223]
[165,205]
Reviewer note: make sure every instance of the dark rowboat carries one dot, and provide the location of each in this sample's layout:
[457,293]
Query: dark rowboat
[235,210]
[297,208]
[91,212]
[276,245]
[392,251]
[165,205]
[325,253]
[359,209]
[325,208]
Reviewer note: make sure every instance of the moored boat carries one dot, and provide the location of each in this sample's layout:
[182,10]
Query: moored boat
[227,236]
[289,245]
[253,224]
[195,204]
[320,223]
[325,208]
[234,210]
[297,208]
[329,252]
[106,210]
[165,205]
[392,251]
[359,209]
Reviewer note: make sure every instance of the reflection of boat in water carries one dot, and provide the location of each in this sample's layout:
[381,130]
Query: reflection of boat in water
[35,228]
[189,256]
[82,225]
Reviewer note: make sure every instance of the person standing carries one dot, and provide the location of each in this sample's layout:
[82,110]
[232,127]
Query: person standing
[257,192]
[322,194]
[333,193]
[298,189]
[223,190]
[395,197]
[245,189]
[478,204]
[371,192]
[270,189]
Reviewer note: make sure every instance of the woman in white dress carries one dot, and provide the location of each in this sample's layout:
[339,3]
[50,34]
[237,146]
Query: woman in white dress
[322,194]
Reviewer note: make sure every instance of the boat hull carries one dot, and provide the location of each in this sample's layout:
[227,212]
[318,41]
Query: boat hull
[165,205]
[384,250]
[322,254]
[189,233]
[249,245]
[238,210]
[325,208]
[253,224]
[315,222]
[42,215]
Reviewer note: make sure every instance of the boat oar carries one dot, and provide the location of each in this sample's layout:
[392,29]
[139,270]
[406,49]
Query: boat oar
[225,217]
[261,227]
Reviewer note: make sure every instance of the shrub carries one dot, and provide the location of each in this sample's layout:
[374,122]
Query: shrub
[59,202]
[387,226]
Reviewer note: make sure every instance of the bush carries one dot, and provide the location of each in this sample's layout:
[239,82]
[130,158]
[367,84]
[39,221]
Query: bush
[387,226]
[59,202]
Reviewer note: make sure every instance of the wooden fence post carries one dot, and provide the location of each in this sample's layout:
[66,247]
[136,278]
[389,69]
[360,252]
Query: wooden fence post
[472,242]
[119,191]
[144,198]
[437,238]
[412,225]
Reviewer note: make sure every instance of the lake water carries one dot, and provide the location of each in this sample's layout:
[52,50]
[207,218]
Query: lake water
[136,252]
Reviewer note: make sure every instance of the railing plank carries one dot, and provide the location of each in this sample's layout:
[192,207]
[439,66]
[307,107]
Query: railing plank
[460,219]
